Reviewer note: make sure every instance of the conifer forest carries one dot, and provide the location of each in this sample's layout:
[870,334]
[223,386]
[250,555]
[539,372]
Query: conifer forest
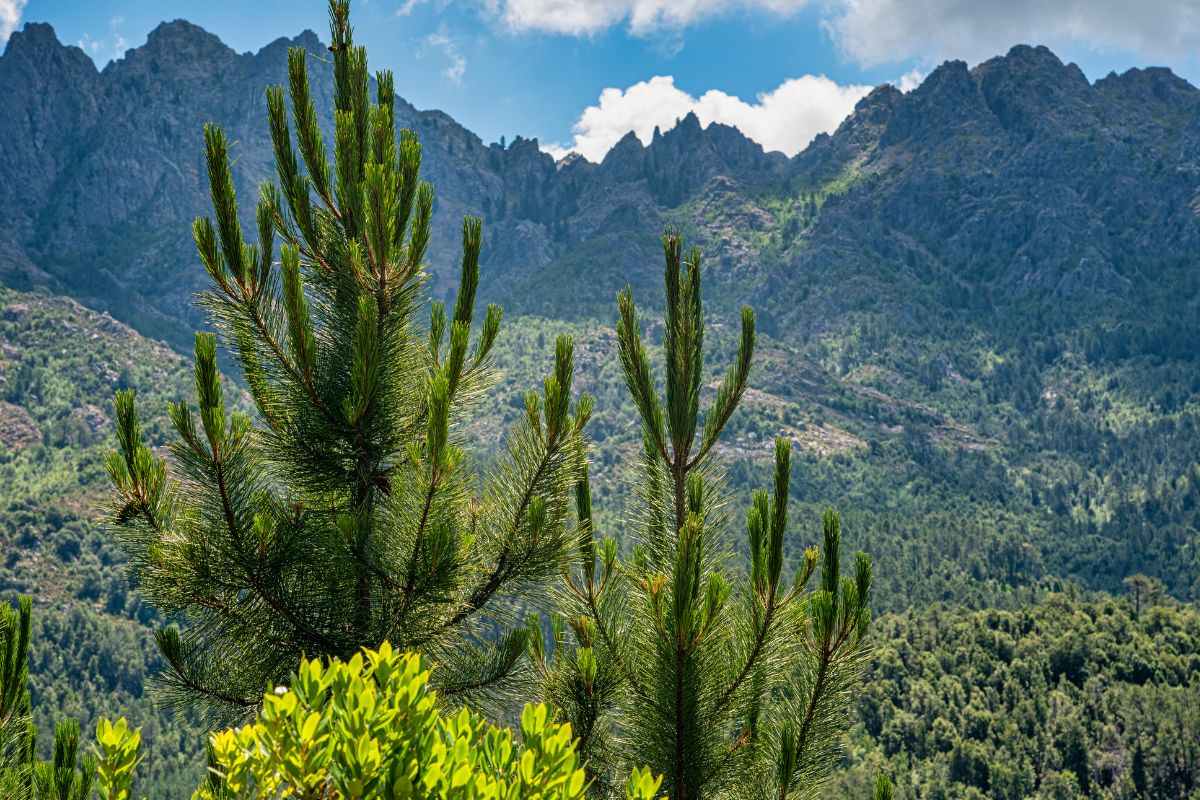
[345,456]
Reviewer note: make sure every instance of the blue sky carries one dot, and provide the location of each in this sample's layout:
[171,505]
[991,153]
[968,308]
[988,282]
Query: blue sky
[580,73]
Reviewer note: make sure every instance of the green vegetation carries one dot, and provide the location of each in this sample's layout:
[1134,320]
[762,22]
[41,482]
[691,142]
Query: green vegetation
[1065,698]
[1005,481]
[65,776]
[91,650]
[370,728]
[17,734]
[933,513]
[711,677]
[345,511]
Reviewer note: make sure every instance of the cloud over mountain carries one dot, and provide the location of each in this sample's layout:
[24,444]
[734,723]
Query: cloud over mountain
[10,17]
[785,119]
[873,32]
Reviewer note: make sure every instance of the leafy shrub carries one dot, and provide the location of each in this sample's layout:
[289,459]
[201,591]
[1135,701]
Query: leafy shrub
[370,727]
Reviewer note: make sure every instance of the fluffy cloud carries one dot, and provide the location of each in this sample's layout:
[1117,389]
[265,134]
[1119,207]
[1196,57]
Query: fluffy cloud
[448,46]
[586,17]
[910,80]
[784,119]
[103,49]
[873,32]
[10,17]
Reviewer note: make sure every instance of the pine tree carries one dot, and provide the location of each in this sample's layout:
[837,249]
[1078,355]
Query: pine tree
[66,777]
[22,777]
[18,736]
[728,682]
[343,510]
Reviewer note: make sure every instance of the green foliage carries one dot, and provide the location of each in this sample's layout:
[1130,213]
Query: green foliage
[728,684]
[1067,697]
[65,777]
[346,510]
[22,777]
[88,665]
[370,727]
[117,749]
[17,734]
[980,463]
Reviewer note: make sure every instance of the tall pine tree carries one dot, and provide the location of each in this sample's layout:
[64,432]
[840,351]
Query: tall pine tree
[343,511]
[729,680]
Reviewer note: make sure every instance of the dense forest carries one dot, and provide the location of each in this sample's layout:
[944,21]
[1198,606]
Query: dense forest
[93,649]
[1066,697]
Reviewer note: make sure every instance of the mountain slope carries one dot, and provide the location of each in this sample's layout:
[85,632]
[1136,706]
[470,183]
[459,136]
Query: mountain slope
[984,291]
[92,647]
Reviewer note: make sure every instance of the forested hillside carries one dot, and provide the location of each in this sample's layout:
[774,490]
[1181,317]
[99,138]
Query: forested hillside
[1065,697]
[978,326]
[93,644]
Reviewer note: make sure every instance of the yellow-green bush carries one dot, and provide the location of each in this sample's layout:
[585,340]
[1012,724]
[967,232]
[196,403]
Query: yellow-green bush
[370,728]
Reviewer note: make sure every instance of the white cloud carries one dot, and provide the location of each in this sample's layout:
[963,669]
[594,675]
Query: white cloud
[910,80]
[786,118]
[873,32]
[448,46]
[587,17]
[103,49]
[407,6]
[10,17]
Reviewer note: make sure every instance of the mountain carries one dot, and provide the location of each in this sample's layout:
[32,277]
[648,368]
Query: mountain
[991,277]
[1015,180]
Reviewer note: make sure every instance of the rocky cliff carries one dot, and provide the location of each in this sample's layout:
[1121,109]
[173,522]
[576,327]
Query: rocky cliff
[1015,181]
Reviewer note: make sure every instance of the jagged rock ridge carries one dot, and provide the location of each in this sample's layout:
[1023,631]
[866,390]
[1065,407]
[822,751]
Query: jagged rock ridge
[1012,181]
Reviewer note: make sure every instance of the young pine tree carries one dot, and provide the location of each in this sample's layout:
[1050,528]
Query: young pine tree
[344,510]
[18,736]
[729,682]
[22,777]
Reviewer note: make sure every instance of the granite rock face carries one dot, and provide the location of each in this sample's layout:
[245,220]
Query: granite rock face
[1016,181]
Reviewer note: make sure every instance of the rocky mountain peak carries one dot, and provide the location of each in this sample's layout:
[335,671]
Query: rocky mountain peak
[870,117]
[36,48]
[34,36]
[522,146]
[947,103]
[276,51]
[1033,58]
[1157,83]
[625,157]
[1031,90]
[179,31]
[180,41]
[688,126]
[950,83]
[1034,67]
[882,98]
[309,40]
[1021,152]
